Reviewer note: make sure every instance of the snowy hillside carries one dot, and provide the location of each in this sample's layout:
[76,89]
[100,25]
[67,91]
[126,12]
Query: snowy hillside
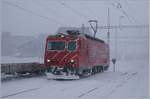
[22,46]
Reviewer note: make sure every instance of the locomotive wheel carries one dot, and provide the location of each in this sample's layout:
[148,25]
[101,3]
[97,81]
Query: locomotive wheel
[98,69]
[87,72]
[93,70]
[102,68]
[106,67]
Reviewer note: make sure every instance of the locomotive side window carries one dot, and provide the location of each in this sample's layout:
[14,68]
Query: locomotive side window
[72,45]
[56,45]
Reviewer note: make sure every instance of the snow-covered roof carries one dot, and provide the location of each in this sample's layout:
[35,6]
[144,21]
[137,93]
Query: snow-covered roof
[64,30]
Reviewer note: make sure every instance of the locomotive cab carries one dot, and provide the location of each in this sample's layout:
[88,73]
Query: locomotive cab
[61,53]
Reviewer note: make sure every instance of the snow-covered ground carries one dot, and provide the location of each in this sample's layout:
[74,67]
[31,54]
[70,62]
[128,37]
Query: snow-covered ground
[129,81]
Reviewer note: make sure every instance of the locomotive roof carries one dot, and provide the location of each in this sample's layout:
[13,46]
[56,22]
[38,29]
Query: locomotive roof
[76,31]
[64,30]
[93,38]
[85,35]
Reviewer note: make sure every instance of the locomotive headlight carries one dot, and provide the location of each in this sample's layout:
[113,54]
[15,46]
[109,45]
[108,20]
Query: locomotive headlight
[61,35]
[48,60]
[72,61]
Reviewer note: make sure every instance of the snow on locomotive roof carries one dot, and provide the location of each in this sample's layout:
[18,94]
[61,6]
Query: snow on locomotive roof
[77,31]
[65,29]
[93,38]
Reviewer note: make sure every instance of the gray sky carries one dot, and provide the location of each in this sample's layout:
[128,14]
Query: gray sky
[32,17]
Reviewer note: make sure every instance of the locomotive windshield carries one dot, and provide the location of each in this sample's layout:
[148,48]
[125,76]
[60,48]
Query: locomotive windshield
[56,45]
[72,45]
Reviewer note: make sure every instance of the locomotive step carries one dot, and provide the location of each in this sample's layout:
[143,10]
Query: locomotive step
[62,77]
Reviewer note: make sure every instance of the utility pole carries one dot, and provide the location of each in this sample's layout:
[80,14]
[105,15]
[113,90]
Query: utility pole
[114,62]
[108,38]
[116,43]
[108,25]
[108,32]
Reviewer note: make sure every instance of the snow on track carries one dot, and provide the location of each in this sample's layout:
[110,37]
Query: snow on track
[20,92]
[129,81]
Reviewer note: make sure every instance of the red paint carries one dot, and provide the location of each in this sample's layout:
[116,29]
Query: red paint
[89,52]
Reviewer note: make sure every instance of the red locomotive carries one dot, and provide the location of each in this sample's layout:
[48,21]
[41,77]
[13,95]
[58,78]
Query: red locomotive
[71,55]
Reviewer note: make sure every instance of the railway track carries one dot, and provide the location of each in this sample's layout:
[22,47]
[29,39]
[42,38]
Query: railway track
[124,77]
[21,92]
